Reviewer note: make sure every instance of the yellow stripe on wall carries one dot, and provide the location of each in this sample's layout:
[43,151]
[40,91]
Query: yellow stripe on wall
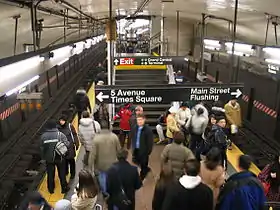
[43,189]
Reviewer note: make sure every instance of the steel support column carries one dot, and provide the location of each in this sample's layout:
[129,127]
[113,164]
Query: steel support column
[233,42]
[275,33]
[162,36]
[64,29]
[178,33]
[16,29]
[266,32]
[202,43]
[33,24]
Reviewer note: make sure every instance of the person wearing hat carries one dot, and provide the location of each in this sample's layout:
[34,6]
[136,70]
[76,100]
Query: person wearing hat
[70,132]
[182,116]
[171,124]
[63,204]
[49,140]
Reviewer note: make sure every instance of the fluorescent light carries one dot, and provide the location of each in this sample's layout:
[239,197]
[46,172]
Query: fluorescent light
[212,48]
[61,52]
[238,53]
[272,71]
[240,47]
[212,42]
[277,62]
[142,31]
[18,68]
[63,61]
[22,85]
[186,59]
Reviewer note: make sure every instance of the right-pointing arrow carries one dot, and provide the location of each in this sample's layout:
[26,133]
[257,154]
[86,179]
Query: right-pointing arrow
[100,96]
[237,93]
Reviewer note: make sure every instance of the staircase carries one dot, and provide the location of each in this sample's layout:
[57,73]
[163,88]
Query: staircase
[135,77]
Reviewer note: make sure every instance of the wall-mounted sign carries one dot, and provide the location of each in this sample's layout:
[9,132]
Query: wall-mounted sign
[167,93]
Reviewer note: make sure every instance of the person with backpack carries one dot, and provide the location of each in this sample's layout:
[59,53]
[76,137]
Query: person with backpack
[54,147]
[70,132]
[124,115]
[217,138]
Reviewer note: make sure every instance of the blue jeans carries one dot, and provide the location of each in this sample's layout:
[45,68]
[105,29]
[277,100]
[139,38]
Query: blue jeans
[102,177]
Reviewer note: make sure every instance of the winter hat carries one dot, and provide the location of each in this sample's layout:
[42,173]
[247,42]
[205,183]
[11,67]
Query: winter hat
[50,124]
[63,117]
[172,110]
[185,104]
[63,205]
[100,83]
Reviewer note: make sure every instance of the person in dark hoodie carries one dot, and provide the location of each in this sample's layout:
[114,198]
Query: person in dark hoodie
[160,126]
[217,138]
[70,132]
[49,139]
[81,101]
[189,192]
[242,191]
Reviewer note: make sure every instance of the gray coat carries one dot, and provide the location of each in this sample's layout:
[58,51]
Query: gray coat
[176,155]
[87,132]
[69,131]
[48,142]
[104,151]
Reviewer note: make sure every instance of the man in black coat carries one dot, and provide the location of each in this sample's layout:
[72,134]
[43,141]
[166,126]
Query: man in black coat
[81,102]
[122,175]
[189,192]
[142,144]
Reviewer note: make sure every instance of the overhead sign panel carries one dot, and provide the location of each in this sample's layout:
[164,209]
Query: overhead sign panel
[154,60]
[167,93]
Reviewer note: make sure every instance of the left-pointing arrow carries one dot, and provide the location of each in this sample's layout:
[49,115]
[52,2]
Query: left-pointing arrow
[236,94]
[100,96]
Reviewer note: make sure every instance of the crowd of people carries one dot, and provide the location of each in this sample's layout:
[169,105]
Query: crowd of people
[193,163]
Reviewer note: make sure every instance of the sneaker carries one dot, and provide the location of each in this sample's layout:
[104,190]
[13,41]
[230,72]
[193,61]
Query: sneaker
[65,190]
[160,141]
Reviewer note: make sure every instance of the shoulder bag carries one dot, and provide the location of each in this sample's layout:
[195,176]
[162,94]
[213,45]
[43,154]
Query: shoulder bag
[120,199]
[60,147]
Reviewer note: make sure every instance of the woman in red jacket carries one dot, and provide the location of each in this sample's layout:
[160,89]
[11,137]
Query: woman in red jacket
[124,115]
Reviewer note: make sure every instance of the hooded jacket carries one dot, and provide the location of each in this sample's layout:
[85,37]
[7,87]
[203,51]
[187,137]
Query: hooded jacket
[243,192]
[176,155]
[83,203]
[48,143]
[87,132]
[81,101]
[104,151]
[233,114]
[63,205]
[217,138]
[188,193]
[124,115]
[198,123]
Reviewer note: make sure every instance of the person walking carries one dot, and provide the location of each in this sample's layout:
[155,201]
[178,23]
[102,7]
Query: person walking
[142,144]
[85,195]
[176,155]
[103,154]
[189,192]
[242,191]
[122,177]
[81,102]
[69,131]
[88,128]
[160,127]
[171,124]
[54,157]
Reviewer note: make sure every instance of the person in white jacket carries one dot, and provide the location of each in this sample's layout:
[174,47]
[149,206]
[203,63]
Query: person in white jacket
[88,127]
[196,125]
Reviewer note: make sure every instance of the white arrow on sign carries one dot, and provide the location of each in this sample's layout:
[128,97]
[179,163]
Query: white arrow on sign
[100,96]
[116,61]
[236,94]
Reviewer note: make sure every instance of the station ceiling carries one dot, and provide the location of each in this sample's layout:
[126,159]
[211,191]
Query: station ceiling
[251,21]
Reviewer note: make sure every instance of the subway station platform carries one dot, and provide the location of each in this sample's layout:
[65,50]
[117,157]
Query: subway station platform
[145,195]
